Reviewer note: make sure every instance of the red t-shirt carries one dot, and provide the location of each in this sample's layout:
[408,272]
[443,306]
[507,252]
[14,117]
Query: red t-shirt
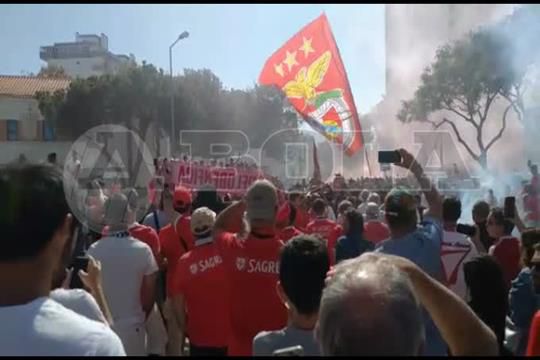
[252,273]
[329,230]
[533,347]
[288,233]
[147,235]
[301,220]
[172,247]
[535,182]
[200,277]
[507,253]
[376,231]
[531,206]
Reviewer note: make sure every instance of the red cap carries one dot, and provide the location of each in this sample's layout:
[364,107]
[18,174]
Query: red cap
[182,196]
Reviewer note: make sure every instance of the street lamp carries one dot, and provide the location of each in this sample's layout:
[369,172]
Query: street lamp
[183,35]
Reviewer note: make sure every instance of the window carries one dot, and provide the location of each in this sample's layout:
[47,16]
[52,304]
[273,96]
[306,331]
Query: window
[12,129]
[48,132]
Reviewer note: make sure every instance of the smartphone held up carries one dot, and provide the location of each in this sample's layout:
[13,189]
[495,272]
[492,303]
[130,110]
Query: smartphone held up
[389,157]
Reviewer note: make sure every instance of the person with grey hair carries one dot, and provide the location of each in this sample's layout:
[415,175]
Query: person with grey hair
[374,198]
[363,200]
[250,250]
[371,307]
[129,273]
[375,230]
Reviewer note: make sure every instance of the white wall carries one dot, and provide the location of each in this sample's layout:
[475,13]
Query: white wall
[81,67]
[34,151]
[26,111]
[22,109]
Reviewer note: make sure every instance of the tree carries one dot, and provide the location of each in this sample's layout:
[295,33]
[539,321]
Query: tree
[461,85]
[139,96]
[52,71]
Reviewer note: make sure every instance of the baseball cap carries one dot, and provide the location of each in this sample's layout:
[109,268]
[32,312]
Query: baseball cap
[182,196]
[372,211]
[202,220]
[399,202]
[261,201]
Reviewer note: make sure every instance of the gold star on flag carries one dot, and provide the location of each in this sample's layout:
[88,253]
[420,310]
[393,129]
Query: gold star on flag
[279,69]
[290,60]
[306,47]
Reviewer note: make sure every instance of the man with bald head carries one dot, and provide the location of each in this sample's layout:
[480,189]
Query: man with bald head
[129,273]
[371,307]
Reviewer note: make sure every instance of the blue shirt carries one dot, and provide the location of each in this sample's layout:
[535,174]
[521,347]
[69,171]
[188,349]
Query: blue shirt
[422,247]
[156,223]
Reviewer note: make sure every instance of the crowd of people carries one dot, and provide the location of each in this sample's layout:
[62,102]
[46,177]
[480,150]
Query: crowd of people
[322,269]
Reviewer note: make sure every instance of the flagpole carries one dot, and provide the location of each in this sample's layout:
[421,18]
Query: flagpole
[367,159]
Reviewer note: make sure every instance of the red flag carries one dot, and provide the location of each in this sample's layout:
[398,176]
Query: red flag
[308,68]
[316,167]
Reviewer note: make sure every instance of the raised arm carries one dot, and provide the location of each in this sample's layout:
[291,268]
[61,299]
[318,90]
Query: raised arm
[431,193]
[463,331]
[91,278]
[231,219]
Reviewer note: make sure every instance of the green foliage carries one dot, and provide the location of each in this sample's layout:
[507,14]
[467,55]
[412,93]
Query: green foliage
[139,96]
[463,82]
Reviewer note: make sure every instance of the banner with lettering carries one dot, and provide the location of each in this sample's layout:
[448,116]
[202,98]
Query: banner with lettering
[226,180]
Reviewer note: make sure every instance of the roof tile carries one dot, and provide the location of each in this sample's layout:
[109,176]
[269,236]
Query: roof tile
[28,86]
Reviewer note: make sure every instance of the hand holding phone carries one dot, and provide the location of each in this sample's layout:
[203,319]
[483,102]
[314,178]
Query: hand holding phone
[79,263]
[389,157]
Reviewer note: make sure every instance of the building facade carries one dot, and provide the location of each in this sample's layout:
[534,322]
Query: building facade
[87,56]
[20,117]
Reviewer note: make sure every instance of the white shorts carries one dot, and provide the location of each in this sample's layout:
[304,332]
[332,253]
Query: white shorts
[133,338]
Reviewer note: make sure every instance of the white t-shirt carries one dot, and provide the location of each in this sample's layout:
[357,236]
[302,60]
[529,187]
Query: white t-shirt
[79,301]
[124,263]
[456,250]
[43,327]
[330,213]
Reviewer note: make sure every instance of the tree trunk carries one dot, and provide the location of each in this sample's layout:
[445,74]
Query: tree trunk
[482,160]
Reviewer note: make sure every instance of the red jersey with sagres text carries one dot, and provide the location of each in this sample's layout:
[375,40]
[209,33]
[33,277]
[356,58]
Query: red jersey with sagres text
[252,268]
[328,230]
[200,278]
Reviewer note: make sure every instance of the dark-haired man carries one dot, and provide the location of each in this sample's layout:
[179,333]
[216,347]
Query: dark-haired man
[456,248]
[302,269]
[33,323]
[324,227]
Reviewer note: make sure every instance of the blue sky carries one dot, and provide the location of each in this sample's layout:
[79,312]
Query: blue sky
[232,40]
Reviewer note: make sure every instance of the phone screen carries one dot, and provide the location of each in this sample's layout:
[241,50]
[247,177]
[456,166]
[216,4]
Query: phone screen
[389,157]
[79,263]
[509,207]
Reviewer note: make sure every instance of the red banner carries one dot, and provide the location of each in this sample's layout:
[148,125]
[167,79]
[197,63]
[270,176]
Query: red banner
[226,180]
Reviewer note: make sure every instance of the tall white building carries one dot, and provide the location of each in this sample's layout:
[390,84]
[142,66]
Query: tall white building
[87,56]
